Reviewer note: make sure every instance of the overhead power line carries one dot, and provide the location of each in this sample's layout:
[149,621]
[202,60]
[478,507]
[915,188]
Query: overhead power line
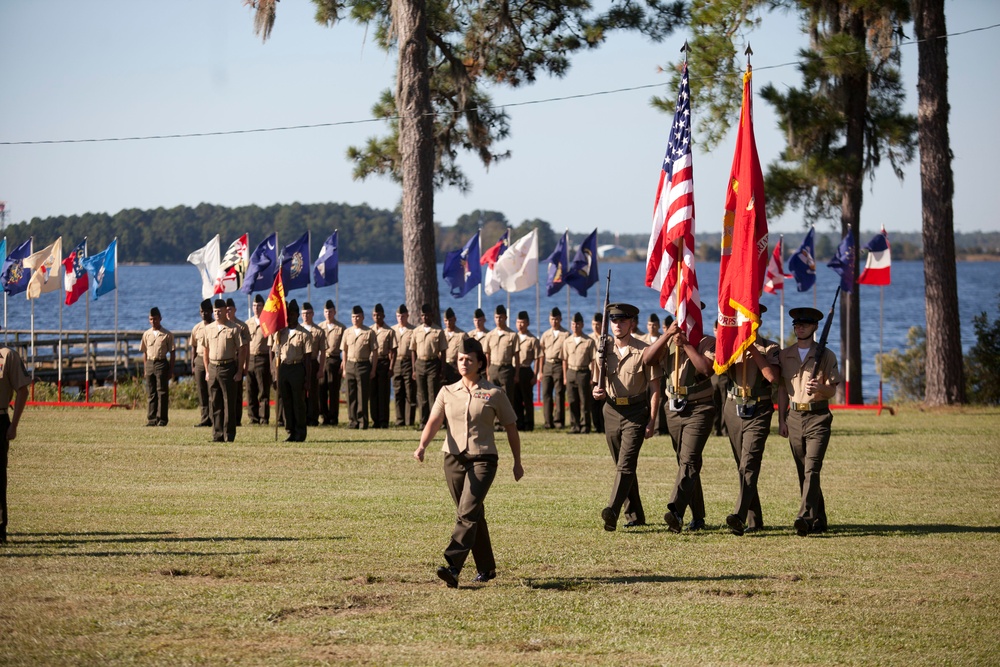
[313,126]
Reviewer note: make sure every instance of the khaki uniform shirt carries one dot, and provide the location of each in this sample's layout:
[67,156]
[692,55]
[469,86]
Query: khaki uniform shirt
[470,416]
[428,342]
[358,344]
[476,334]
[455,339]
[13,376]
[244,329]
[795,374]
[755,381]
[404,339]
[197,340]
[157,345]
[501,346]
[291,346]
[528,348]
[223,341]
[258,341]
[319,339]
[579,353]
[552,344]
[334,336]
[385,341]
[626,374]
[687,374]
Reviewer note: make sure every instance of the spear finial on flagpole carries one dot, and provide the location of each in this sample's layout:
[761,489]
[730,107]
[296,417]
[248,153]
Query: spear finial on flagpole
[685,50]
[748,53]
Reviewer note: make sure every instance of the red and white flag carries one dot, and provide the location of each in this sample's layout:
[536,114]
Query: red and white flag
[670,261]
[744,245]
[491,283]
[775,279]
[233,267]
[877,266]
[75,278]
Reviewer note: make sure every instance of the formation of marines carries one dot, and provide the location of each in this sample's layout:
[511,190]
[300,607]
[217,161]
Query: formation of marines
[649,383]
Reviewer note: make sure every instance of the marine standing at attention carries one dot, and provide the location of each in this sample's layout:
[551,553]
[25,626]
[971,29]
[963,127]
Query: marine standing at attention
[807,385]
[329,385]
[157,349]
[245,337]
[748,411]
[225,356]
[258,368]
[404,385]
[501,353]
[318,359]
[386,348]
[627,413]
[291,349]
[427,347]
[579,357]
[551,362]
[528,351]
[471,459]
[454,336]
[479,331]
[196,351]
[358,348]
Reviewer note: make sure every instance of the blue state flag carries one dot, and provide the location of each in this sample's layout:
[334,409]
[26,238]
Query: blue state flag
[802,265]
[583,269]
[558,266]
[295,264]
[843,263]
[327,269]
[14,275]
[101,268]
[461,268]
[263,263]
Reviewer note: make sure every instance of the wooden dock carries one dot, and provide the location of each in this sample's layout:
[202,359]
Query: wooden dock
[80,355]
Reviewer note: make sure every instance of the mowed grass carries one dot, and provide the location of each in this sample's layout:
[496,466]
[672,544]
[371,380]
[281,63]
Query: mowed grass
[132,545]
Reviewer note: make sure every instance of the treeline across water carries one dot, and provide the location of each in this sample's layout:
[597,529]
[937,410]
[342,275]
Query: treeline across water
[371,235]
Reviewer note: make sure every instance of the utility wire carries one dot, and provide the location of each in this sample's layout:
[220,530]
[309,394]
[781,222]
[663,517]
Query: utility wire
[547,100]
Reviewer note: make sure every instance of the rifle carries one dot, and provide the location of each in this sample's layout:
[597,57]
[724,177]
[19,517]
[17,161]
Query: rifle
[821,345]
[602,345]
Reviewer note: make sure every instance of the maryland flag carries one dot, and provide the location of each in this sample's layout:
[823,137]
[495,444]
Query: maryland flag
[744,245]
[233,267]
[274,317]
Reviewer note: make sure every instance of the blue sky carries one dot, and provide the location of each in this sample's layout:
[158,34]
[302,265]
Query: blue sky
[118,68]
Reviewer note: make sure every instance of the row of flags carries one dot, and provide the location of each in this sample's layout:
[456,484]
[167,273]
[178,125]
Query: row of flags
[744,269]
[249,272]
[877,271]
[514,267]
[37,273]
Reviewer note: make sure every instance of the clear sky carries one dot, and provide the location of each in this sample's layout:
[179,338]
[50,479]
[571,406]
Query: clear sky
[120,68]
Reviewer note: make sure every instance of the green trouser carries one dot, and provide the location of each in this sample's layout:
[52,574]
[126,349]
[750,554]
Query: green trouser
[747,438]
[809,436]
[292,390]
[689,431]
[625,429]
[469,479]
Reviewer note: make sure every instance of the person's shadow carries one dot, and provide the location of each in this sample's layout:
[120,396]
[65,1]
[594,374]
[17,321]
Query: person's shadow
[886,530]
[579,583]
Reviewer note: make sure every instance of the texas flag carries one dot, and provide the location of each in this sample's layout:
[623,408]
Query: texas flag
[877,266]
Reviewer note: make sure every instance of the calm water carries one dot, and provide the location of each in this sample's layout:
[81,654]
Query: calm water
[176,290]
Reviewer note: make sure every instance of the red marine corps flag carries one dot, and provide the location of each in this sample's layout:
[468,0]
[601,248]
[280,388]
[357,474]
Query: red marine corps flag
[670,257]
[274,317]
[744,245]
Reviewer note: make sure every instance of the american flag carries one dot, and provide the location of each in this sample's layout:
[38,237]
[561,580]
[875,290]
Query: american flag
[672,238]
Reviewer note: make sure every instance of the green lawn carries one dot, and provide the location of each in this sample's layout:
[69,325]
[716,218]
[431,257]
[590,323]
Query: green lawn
[155,546]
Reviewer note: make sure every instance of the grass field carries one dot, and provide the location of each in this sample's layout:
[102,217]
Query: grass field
[154,546]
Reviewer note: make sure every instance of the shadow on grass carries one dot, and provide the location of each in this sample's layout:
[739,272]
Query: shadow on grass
[581,583]
[60,546]
[863,530]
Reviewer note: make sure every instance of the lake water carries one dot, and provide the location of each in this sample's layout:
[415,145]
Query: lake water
[176,290]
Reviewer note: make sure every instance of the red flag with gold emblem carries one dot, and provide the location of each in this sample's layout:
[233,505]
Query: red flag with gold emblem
[744,245]
[274,317]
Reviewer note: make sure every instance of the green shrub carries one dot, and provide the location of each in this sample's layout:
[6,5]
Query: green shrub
[906,370]
[983,361]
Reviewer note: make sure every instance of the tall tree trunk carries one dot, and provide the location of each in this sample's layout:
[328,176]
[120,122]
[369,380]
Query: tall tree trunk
[416,153]
[945,377]
[855,86]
